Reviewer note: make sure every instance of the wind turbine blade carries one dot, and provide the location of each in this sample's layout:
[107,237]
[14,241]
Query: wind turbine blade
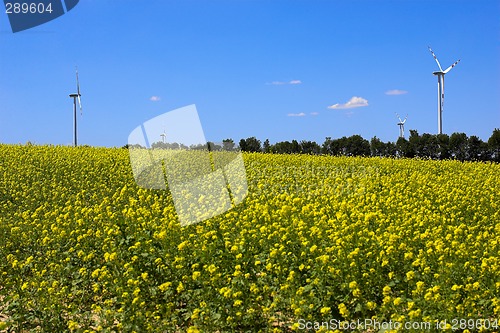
[435,58]
[397,115]
[449,68]
[442,93]
[78,91]
[77,82]
[80,104]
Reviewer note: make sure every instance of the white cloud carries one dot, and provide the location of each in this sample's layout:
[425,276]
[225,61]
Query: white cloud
[279,83]
[314,113]
[154,98]
[396,92]
[354,102]
[302,114]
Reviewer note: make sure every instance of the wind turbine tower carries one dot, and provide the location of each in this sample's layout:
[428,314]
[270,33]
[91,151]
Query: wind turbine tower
[401,125]
[76,96]
[440,76]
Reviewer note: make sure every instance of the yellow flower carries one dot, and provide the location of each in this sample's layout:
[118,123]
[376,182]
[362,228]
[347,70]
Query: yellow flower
[72,325]
[371,305]
[212,268]
[253,288]
[325,310]
[420,286]
[182,245]
[193,329]
[165,286]
[95,273]
[343,310]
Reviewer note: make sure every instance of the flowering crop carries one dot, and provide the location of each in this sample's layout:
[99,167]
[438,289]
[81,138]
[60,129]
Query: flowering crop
[317,238]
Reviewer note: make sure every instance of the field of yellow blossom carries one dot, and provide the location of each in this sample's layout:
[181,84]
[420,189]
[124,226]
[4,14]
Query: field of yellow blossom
[317,239]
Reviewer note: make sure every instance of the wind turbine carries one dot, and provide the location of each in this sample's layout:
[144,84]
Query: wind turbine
[75,97]
[163,135]
[401,125]
[440,76]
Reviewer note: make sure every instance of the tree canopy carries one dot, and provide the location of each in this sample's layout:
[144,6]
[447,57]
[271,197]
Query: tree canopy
[441,146]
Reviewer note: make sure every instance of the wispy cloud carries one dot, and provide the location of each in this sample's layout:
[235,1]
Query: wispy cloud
[302,114]
[154,98]
[354,102]
[279,83]
[396,92]
[314,113]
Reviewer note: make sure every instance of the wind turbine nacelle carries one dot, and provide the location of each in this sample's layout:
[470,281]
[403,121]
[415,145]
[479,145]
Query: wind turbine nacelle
[438,73]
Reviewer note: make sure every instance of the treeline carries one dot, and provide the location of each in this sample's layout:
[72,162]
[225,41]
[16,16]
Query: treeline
[441,146]
[228,145]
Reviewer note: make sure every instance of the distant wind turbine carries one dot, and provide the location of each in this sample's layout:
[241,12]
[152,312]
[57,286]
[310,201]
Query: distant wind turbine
[440,75]
[75,97]
[401,125]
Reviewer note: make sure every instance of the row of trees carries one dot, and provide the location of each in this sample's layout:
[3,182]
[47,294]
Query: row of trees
[442,146]
[181,146]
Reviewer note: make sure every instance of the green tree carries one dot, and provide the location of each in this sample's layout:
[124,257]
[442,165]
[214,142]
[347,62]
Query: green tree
[458,146]
[390,149]
[494,144]
[443,141]
[414,144]
[243,145]
[267,146]
[295,147]
[325,147]
[284,147]
[404,149]
[475,148]
[250,144]
[428,146]
[339,146]
[213,147]
[357,146]
[228,144]
[377,147]
[309,147]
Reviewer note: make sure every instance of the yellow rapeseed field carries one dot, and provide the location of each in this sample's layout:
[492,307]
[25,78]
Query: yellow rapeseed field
[318,239]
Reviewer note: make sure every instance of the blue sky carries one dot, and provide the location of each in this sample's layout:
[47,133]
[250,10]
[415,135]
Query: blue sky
[269,69]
